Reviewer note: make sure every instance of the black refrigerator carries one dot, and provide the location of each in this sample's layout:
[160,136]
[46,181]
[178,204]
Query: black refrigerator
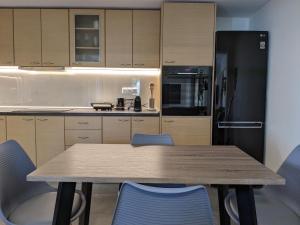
[240,90]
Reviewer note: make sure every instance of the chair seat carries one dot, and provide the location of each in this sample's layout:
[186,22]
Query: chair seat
[39,210]
[271,211]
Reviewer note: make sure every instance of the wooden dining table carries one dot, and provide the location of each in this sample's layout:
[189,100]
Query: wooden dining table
[221,166]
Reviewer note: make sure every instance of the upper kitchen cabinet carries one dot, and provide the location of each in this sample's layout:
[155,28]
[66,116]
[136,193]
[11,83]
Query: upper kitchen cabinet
[6,37]
[146,38]
[188,33]
[55,37]
[119,38]
[87,37]
[27,37]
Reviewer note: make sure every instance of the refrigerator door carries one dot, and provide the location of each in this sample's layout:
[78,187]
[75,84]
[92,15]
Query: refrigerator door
[240,90]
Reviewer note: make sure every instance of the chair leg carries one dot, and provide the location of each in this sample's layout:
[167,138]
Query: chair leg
[87,191]
[224,217]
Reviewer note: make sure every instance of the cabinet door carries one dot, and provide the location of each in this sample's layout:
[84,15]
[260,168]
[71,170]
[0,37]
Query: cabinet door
[2,129]
[145,125]
[87,37]
[116,130]
[55,37]
[188,130]
[49,137]
[119,38]
[6,37]
[22,130]
[27,37]
[188,33]
[146,38]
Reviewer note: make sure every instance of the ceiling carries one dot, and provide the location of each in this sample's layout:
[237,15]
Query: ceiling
[226,8]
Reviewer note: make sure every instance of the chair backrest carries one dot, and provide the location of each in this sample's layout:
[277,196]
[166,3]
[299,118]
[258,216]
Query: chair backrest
[15,165]
[146,139]
[145,205]
[289,193]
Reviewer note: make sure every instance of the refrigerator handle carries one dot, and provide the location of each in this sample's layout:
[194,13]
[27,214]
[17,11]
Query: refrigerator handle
[240,125]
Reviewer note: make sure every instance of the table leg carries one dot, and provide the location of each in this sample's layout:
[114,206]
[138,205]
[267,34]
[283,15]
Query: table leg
[87,191]
[246,205]
[64,203]
[224,217]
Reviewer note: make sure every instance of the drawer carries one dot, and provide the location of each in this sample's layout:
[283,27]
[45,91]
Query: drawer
[83,136]
[83,122]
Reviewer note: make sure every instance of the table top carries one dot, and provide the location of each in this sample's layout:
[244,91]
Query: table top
[114,163]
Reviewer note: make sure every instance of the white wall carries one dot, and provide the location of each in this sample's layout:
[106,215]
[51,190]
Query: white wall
[233,23]
[282,19]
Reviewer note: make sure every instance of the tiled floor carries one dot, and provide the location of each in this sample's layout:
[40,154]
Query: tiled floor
[104,199]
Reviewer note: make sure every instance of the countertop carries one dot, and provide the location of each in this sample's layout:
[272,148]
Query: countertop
[70,111]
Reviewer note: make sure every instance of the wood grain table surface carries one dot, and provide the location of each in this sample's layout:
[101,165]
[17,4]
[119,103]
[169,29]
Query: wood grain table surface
[114,163]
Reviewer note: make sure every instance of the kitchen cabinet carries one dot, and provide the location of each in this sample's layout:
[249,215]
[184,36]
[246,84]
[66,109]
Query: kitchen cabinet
[49,137]
[188,34]
[83,123]
[146,38]
[87,37]
[22,130]
[27,37]
[145,125]
[55,37]
[2,129]
[116,130]
[6,37]
[188,130]
[83,136]
[118,38]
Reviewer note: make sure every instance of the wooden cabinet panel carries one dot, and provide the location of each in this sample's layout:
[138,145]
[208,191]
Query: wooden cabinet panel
[116,130]
[87,37]
[188,33]
[188,130]
[83,123]
[2,129]
[146,38]
[22,130]
[83,136]
[27,37]
[119,38]
[6,37]
[55,37]
[49,137]
[145,125]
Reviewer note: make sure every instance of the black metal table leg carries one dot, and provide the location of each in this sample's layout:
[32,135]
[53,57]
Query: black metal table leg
[246,205]
[87,191]
[64,203]
[224,217]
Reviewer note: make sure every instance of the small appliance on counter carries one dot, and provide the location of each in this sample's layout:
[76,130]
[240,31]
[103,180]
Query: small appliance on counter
[103,106]
[137,104]
[120,104]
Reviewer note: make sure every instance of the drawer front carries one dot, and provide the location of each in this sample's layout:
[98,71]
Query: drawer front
[83,123]
[83,136]
[116,130]
[188,131]
[2,129]
[145,125]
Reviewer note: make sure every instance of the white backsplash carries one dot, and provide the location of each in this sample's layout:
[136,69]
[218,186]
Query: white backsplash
[60,89]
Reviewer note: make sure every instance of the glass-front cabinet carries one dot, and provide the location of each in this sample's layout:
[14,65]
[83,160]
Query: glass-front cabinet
[87,43]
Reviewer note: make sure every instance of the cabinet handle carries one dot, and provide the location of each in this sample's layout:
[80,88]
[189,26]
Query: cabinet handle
[24,119]
[139,64]
[83,123]
[128,64]
[9,62]
[1,119]
[42,120]
[35,63]
[123,120]
[83,138]
[138,120]
[169,121]
[170,61]
[49,63]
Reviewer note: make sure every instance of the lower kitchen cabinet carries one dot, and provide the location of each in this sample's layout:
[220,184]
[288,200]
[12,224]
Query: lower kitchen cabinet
[188,130]
[145,125]
[22,130]
[49,137]
[83,136]
[2,129]
[116,130]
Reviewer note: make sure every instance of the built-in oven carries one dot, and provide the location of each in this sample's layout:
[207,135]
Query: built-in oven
[186,90]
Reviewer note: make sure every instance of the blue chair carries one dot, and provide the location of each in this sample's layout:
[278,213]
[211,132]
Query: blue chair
[276,205]
[143,205]
[147,139]
[23,202]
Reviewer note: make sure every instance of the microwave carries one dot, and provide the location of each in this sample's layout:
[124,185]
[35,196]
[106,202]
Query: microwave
[186,90]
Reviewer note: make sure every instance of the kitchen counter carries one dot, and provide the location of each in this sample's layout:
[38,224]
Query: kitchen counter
[68,111]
